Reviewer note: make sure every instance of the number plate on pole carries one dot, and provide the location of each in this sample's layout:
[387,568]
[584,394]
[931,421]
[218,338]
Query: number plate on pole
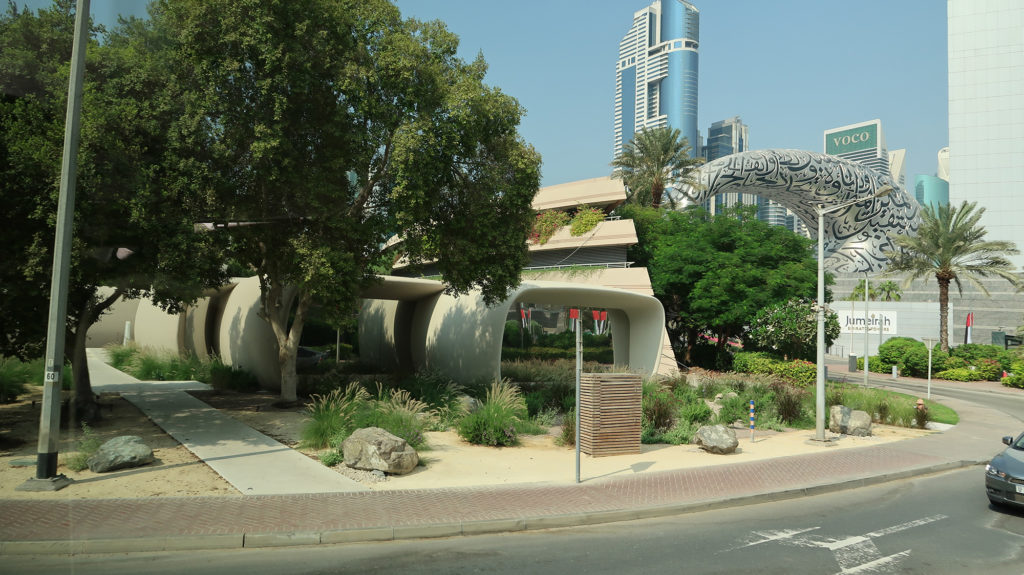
[51,377]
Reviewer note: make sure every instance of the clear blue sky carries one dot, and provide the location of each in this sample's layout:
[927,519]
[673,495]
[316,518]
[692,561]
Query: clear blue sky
[789,68]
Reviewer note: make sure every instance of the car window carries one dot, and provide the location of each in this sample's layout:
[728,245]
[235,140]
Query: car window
[1019,444]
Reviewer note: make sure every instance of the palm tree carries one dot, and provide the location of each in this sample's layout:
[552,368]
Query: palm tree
[653,162]
[950,244]
[889,291]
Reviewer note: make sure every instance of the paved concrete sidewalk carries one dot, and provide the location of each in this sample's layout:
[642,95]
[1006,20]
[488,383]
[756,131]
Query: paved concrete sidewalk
[124,525]
[247,459]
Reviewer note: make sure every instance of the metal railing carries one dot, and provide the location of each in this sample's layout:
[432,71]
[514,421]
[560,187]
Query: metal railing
[594,265]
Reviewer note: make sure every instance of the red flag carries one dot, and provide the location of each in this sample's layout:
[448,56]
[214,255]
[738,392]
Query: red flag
[970,326]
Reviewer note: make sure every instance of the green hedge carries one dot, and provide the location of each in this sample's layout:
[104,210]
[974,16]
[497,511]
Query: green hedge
[597,354]
[798,371]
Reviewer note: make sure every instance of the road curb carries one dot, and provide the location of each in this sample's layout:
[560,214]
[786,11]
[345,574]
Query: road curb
[439,530]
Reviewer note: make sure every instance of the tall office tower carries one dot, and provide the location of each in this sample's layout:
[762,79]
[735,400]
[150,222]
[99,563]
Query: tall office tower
[897,166]
[656,74]
[986,113]
[863,143]
[727,137]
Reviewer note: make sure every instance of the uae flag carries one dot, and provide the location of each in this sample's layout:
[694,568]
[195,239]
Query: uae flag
[970,327]
[574,318]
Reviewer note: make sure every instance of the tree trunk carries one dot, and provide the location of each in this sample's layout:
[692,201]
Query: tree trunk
[84,409]
[691,339]
[277,309]
[943,313]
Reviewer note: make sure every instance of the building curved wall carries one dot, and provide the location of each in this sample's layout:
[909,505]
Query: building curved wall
[461,336]
[156,329]
[855,237]
[244,339]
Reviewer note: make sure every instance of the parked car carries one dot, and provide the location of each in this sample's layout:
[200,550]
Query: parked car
[307,358]
[1004,475]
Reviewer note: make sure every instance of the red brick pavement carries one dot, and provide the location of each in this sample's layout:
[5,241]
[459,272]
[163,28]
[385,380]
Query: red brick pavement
[73,520]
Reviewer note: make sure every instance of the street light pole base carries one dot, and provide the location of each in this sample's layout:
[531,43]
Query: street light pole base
[48,484]
[827,442]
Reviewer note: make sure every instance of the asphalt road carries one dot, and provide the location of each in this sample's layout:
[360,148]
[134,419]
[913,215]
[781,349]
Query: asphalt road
[931,525]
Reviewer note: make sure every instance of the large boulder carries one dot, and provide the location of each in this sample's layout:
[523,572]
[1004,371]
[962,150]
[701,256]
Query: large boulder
[120,453]
[848,421]
[716,439]
[373,448]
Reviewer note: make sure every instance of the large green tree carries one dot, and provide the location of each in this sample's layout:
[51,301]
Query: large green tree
[950,245]
[131,232]
[655,166]
[319,128]
[713,274]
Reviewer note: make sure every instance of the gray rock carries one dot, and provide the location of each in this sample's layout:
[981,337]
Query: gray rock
[469,404]
[716,439]
[373,448]
[849,422]
[120,453]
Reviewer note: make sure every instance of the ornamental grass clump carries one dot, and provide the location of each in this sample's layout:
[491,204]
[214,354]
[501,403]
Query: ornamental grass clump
[495,423]
[331,416]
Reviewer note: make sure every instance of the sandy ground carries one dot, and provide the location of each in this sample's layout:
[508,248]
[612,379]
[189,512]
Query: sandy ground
[450,462]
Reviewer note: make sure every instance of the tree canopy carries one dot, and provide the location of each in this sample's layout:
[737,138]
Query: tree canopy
[654,165]
[713,274]
[130,231]
[791,328]
[951,245]
[318,129]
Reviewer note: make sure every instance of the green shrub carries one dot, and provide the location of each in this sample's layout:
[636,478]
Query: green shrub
[893,350]
[659,406]
[495,422]
[733,409]
[121,356]
[331,458]
[567,436]
[959,374]
[972,352]
[915,362]
[954,362]
[695,411]
[596,354]
[681,434]
[13,376]
[1015,380]
[226,377]
[788,401]
[882,409]
[753,362]
[547,223]
[88,445]
[988,369]
[798,371]
[584,220]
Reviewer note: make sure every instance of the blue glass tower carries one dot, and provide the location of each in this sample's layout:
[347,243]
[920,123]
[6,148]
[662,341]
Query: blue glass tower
[656,74]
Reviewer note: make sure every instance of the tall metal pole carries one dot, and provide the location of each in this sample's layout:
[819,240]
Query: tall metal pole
[56,327]
[866,329]
[579,372]
[819,400]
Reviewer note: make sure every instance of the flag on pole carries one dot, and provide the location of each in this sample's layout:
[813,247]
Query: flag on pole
[604,321]
[970,327]
[574,316]
[597,321]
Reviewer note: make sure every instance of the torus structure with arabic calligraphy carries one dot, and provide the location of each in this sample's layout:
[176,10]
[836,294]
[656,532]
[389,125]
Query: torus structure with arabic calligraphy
[855,237]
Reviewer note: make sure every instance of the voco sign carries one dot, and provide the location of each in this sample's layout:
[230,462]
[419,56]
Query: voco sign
[858,138]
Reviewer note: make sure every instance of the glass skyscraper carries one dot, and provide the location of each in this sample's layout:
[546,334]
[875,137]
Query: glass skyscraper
[656,74]
[863,143]
[727,137]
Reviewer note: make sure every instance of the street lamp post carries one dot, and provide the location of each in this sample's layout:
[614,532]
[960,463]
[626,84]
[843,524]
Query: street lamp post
[819,407]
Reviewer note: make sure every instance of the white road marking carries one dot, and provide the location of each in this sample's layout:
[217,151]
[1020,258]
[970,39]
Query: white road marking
[856,554]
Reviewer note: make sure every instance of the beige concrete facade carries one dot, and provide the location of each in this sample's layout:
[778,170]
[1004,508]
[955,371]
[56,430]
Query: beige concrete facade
[461,337]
